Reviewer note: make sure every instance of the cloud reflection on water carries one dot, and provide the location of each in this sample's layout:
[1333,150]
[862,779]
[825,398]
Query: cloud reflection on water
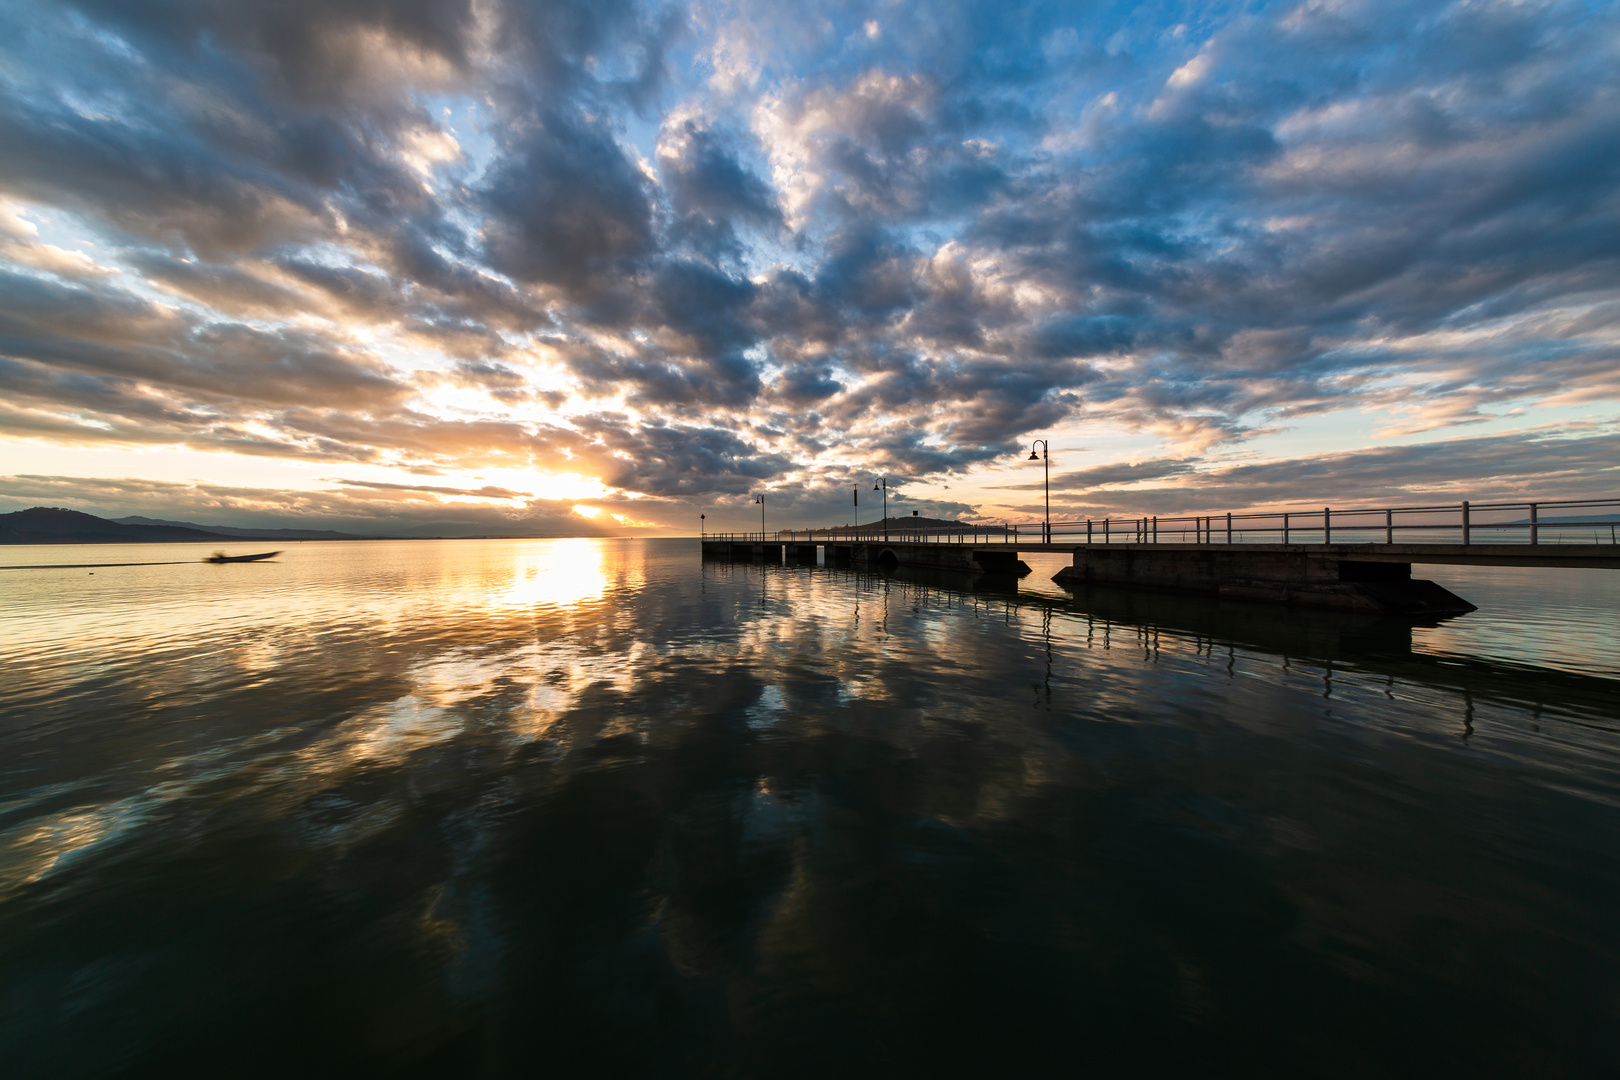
[766,818]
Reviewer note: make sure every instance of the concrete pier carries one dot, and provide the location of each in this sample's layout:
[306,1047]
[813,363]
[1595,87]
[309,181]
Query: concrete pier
[1369,578]
[1308,576]
[878,554]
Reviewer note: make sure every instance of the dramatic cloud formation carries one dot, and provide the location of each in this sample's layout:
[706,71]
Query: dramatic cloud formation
[485,260]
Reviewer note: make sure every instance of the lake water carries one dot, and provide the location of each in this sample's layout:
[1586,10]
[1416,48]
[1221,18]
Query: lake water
[581,807]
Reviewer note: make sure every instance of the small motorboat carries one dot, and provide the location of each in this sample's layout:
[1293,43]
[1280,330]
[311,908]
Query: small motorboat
[220,556]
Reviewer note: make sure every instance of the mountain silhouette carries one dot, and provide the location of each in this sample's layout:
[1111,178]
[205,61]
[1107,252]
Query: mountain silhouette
[52,525]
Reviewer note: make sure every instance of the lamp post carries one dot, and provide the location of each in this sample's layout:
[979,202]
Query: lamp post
[760,498]
[1045,456]
[883,486]
[700,525]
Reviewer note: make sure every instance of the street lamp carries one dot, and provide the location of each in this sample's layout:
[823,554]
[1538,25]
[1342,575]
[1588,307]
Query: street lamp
[1043,456]
[760,498]
[700,525]
[883,486]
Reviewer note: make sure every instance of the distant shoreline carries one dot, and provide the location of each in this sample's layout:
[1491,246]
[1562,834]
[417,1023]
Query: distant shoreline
[224,540]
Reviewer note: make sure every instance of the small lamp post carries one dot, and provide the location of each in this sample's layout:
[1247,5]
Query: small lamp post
[701,533]
[1044,456]
[760,498]
[883,486]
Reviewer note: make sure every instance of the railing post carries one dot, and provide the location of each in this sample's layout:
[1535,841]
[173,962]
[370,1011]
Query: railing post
[1285,530]
[1327,526]
[1465,522]
[1088,530]
[1106,538]
[1389,526]
[1229,526]
[1155,528]
[1535,527]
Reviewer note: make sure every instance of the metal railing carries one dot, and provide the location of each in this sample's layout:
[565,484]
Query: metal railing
[1562,521]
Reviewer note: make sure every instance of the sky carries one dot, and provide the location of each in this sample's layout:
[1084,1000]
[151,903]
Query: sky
[601,266]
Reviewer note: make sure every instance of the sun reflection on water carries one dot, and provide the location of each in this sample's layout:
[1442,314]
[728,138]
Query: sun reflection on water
[558,573]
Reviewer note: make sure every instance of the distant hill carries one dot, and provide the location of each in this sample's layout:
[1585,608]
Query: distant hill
[52,525]
[49,525]
[245,534]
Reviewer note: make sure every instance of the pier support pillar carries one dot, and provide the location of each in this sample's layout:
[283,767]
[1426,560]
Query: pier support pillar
[941,557]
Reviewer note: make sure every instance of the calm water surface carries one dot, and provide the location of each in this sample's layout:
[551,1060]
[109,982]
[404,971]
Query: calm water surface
[575,807]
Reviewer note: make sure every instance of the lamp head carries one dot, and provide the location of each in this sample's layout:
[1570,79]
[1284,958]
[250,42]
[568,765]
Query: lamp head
[1033,456]
[876,486]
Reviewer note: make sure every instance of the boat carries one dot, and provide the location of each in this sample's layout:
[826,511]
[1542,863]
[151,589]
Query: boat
[220,556]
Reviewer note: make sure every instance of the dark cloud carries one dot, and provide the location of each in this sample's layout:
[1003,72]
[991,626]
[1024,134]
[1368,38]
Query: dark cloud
[681,460]
[711,192]
[314,49]
[109,332]
[568,206]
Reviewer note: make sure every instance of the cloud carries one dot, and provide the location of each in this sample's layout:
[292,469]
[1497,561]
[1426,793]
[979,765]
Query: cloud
[711,192]
[1546,464]
[694,249]
[489,491]
[567,206]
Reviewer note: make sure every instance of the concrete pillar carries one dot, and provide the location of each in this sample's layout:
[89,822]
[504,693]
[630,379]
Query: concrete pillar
[1306,578]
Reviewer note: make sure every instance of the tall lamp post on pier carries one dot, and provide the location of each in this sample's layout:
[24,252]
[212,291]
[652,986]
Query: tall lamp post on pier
[701,525]
[1044,456]
[760,498]
[883,486]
